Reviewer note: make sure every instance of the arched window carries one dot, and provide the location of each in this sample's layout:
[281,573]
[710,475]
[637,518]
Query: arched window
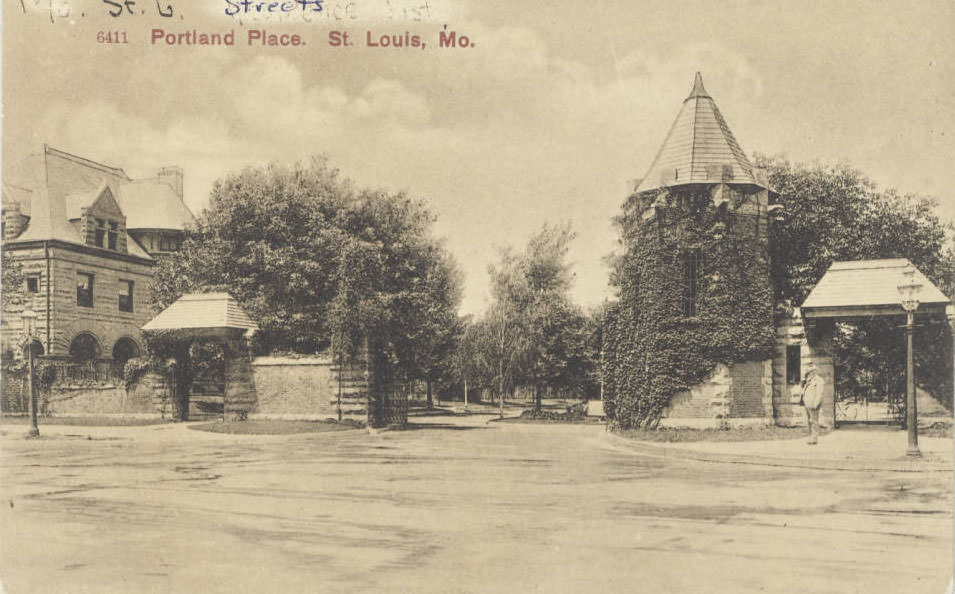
[124,350]
[84,349]
[37,348]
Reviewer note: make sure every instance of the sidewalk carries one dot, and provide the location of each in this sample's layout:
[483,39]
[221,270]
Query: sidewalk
[857,449]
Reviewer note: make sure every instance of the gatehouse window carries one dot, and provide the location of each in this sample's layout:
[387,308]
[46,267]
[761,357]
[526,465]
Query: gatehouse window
[125,295]
[33,283]
[793,364]
[692,269]
[84,289]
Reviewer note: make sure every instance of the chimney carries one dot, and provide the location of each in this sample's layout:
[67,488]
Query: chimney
[172,175]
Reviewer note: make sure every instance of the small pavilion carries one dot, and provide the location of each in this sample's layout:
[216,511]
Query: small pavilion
[207,317]
[856,290]
[866,288]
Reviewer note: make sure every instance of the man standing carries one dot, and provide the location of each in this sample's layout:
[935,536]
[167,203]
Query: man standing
[812,388]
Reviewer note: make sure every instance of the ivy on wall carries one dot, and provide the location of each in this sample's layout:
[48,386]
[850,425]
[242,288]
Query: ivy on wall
[655,346]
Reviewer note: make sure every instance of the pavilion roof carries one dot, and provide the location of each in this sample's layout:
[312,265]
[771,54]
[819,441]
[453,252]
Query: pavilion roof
[202,311]
[868,287]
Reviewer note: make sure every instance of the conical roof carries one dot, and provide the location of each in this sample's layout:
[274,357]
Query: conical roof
[699,148]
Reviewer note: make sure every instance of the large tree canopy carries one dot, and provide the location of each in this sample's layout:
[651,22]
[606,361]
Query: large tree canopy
[834,212]
[318,263]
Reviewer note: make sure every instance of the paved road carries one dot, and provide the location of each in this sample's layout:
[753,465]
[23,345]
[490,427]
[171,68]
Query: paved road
[453,505]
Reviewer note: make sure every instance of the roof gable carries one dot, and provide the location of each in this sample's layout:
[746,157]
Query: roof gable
[105,204]
[62,185]
[699,148]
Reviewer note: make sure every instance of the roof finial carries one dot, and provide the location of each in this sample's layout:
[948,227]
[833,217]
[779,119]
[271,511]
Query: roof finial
[698,90]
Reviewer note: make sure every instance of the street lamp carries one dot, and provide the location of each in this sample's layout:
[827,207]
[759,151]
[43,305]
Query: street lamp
[909,292]
[29,325]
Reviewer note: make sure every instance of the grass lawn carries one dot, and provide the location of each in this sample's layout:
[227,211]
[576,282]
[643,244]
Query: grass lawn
[271,427]
[91,421]
[668,434]
[552,421]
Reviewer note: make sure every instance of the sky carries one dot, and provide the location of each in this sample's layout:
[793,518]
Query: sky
[546,118]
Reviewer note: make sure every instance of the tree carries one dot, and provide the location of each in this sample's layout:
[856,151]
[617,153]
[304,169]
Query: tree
[554,324]
[321,265]
[433,322]
[471,364]
[592,358]
[834,212]
[532,334]
[506,329]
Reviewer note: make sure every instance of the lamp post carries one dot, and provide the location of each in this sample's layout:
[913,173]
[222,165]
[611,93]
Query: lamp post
[29,324]
[909,292]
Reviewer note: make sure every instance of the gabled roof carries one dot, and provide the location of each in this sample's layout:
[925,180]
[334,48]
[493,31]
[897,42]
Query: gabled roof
[699,148]
[207,311]
[153,204]
[51,221]
[868,285]
[77,201]
[63,184]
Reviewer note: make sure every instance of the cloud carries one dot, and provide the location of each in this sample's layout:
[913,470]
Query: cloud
[498,141]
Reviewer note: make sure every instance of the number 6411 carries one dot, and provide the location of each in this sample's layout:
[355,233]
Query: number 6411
[111,37]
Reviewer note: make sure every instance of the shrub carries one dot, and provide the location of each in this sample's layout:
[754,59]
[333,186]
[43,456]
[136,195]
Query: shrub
[135,369]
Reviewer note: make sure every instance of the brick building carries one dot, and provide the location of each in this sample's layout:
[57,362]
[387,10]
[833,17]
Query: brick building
[87,237]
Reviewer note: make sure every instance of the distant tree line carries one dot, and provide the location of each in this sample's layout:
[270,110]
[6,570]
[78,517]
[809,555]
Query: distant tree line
[532,336]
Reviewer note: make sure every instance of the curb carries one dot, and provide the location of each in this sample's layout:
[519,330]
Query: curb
[903,465]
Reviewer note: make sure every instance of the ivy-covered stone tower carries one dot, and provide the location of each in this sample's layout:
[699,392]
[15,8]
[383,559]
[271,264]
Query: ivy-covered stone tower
[690,341]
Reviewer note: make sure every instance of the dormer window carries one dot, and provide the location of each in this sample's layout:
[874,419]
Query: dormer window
[106,234]
[100,232]
[112,235]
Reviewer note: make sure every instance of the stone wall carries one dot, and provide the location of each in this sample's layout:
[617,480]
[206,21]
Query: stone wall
[295,387]
[309,388]
[739,394]
[751,390]
[106,399]
[14,392]
[103,320]
[267,387]
[815,343]
[67,319]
